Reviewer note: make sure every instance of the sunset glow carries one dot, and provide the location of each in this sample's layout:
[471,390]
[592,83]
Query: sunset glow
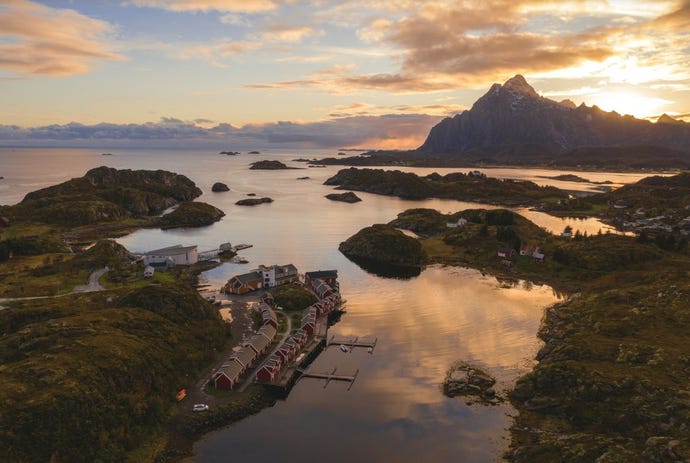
[348,71]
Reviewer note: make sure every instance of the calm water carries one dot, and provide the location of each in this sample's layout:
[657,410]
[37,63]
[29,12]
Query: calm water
[395,411]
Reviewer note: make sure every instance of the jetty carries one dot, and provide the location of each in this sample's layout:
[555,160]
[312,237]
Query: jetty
[353,341]
[329,376]
[225,247]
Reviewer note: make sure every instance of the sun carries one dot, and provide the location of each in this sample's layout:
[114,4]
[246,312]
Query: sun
[625,102]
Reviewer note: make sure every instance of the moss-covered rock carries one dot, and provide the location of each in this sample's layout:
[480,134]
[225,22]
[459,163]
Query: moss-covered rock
[192,214]
[253,201]
[348,197]
[385,245]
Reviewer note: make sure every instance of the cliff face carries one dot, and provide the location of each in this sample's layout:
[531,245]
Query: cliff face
[513,114]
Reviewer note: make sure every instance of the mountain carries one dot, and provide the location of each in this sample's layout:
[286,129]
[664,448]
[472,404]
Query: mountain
[513,122]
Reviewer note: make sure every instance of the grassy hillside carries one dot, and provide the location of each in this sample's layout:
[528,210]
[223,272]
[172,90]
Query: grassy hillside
[611,383]
[88,377]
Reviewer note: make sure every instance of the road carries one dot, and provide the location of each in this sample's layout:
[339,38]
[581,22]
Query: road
[93,284]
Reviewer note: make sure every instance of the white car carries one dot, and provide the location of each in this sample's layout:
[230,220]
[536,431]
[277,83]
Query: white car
[200,407]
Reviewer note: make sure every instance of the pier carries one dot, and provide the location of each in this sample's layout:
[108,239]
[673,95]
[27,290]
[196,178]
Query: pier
[356,341]
[213,253]
[332,376]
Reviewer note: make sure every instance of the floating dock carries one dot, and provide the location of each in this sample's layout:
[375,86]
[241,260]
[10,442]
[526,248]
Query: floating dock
[332,376]
[353,341]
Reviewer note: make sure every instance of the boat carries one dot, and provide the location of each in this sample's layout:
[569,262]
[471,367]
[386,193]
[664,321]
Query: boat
[370,350]
[344,348]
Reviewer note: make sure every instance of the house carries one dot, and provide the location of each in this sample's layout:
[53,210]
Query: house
[269,370]
[527,250]
[175,255]
[242,284]
[505,252]
[4,222]
[538,257]
[268,317]
[330,277]
[277,275]
[259,344]
[228,375]
[245,357]
[268,331]
[148,272]
[459,224]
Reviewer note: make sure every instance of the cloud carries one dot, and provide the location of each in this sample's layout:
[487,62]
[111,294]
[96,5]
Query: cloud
[36,39]
[381,131]
[216,53]
[287,33]
[230,6]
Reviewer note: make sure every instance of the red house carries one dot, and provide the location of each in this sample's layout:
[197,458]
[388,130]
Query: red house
[507,253]
[329,276]
[228,375]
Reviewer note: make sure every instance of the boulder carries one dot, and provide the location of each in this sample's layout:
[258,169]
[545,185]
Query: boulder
[219,187]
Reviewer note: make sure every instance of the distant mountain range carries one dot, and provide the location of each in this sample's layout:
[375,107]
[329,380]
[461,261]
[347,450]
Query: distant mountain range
[513,124]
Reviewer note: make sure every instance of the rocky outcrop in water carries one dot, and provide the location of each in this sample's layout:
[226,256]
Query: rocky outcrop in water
[269,165]
[219,187]
[471,382]
[253,201]
[348,197]
[383,244]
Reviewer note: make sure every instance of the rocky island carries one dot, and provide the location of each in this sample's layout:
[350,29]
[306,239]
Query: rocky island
[269,165]
[253,201]
[348,197]
[383,250]
[191,214]
[219,187]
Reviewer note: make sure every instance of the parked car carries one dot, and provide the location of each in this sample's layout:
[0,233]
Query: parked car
[200,407]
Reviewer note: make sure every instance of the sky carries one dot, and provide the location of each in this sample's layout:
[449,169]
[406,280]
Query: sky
[243,74]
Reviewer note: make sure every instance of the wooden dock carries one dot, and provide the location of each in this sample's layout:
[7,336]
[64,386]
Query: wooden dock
[330,376]
[356,341]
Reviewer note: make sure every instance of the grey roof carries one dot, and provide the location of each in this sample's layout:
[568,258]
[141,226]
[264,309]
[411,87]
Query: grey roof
[258,342]
[232,370]
[268,331]
[322,274]
[247,277]
[245,355]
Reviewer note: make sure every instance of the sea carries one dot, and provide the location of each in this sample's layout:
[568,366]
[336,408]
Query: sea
[395,411]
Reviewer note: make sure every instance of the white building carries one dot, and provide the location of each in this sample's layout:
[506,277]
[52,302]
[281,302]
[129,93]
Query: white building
[148,272]
[173,255]
[277,275]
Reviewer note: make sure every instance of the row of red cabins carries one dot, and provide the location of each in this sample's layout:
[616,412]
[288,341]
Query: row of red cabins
[229,374]
[329,299]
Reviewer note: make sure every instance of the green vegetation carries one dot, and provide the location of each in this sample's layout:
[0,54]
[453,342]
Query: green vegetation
[293,297]
[89,376]
[191,214]
[611,383]
[383,243]
[93,376]
[458,186]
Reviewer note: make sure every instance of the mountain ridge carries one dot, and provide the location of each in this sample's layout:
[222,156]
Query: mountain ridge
[514,114]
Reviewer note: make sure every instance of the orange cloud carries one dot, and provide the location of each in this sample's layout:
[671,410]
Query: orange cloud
[36,39]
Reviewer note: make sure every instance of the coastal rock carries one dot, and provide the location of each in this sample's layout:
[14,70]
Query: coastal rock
[219,187]
[383,244]
[230,153]
[191,214]
[348,197]
[253,201]
[269,165]
[465,380]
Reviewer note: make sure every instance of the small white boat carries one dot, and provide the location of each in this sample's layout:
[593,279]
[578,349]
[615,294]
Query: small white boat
[370,350]
[344,348]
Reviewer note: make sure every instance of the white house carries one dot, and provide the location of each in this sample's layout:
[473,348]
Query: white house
[173,255]
[148,272]
[277,275]
[459,224]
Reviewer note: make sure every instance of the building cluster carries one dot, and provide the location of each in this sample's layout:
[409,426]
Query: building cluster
[527,250]
[262,277]
[660,223]
[229,374]
[323,283]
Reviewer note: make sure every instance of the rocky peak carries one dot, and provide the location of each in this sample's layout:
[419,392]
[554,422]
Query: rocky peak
[666,119]
[518,84]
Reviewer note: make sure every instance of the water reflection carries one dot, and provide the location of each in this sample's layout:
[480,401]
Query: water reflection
[402,272]
[396,411]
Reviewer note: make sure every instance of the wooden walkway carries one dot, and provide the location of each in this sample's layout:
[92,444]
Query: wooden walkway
[330,376]
[355,341]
